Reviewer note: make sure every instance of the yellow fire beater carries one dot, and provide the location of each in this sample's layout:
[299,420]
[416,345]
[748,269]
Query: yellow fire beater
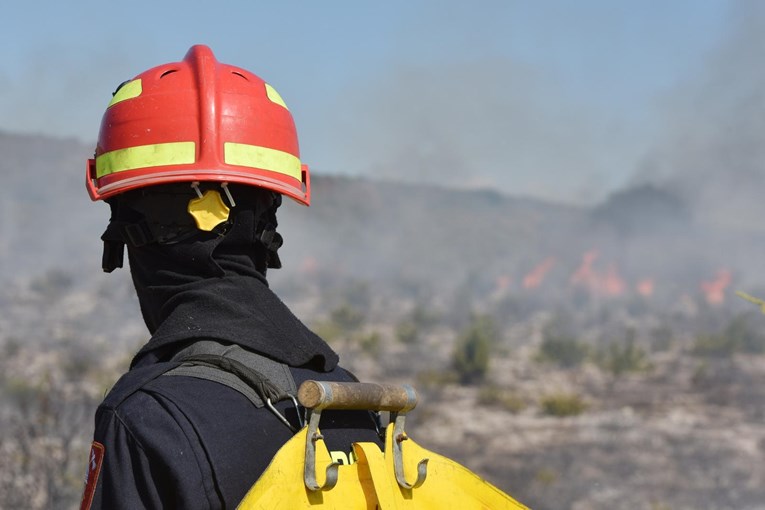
[302,475]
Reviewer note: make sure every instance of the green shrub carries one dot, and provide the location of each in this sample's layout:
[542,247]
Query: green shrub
[407,332]
[327,330]
[738,337]
[471,355]
[701,374]
[713,345]
[422,318]
[343,322]
[563,404]
[619,358]
[496,397]
[370,343]
[436,378]
[564,352]
[348,318]
[546,477]
[747,338]
[559,343]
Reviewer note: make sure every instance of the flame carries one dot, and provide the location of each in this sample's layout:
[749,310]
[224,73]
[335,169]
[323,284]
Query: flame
[645,287]
[584,273]
[714,291]
[609,283]
[537,275]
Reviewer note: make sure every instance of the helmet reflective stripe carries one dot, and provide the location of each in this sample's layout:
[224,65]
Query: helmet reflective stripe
[128,91]
[263,158]
[274,96]
[145,156]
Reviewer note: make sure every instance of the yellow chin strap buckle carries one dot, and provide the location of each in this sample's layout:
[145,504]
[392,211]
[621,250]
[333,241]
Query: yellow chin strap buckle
[208,210]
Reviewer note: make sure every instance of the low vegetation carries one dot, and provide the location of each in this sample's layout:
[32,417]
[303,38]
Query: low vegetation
[563,352]
[623,357]
[504,399]
[738,336]
[472,352]
[562,405]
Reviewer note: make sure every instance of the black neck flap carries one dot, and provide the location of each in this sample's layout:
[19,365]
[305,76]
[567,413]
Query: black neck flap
[194,285]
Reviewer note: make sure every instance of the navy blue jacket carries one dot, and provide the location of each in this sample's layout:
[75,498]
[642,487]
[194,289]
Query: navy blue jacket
[183,442]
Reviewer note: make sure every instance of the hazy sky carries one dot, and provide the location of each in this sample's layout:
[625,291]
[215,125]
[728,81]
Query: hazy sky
[559,99]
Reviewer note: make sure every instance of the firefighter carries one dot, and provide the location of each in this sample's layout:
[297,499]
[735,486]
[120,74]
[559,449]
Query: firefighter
[194,158]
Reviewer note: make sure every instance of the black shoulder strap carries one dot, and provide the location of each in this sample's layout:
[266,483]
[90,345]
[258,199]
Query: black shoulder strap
[257,377]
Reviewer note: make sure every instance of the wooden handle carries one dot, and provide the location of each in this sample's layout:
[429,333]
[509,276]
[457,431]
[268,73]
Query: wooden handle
[368,396]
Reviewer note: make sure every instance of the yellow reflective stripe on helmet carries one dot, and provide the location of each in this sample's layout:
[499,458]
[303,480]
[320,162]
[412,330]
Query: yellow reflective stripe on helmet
[145,156]
[274,96]
[262,157]
[128,91]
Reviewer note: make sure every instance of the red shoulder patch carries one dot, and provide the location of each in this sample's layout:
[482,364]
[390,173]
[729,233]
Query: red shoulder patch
[95,459]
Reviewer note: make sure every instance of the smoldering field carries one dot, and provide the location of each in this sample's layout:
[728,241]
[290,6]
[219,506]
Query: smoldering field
[611,365]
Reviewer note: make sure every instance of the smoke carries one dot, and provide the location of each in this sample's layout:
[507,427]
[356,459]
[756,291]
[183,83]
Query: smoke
[712,151]
[62,93]
[491,123]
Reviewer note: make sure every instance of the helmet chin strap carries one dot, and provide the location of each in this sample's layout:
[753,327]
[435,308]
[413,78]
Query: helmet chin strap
[272,241]
[113,255]
[141,233]
[132,227]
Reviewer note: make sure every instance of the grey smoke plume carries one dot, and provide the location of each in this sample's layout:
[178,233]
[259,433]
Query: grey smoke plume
[492,123]
[713,148]
[61,94]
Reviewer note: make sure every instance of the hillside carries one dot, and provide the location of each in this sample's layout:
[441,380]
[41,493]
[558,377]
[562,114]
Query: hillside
[416,235]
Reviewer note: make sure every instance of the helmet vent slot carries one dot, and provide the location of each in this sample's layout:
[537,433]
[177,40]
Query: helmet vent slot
[239,74]
[169,71]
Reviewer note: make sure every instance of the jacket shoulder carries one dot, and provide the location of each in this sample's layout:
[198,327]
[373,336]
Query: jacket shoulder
[133,381]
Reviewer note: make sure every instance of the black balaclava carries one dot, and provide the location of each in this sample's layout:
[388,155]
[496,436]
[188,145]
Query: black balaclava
[195,285]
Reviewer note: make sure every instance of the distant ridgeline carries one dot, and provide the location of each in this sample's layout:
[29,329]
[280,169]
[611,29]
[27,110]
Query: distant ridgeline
[640,243]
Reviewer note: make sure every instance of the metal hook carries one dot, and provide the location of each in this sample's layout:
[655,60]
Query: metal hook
[279,415]
[300,417]
[309,473]
[399,436]
[283,418]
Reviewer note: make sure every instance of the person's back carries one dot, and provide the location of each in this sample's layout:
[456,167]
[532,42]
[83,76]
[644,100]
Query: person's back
[193,158]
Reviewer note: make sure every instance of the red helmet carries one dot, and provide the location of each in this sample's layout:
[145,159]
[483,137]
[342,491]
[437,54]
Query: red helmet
[197,120]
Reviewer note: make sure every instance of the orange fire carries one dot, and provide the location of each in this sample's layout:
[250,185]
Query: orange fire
[584,273]
[645,287]
[537,275]
[609,283]
[714,291]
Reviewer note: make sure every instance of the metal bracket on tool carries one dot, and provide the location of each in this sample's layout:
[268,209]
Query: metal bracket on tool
[319,395]
[399,436]
[309,472]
